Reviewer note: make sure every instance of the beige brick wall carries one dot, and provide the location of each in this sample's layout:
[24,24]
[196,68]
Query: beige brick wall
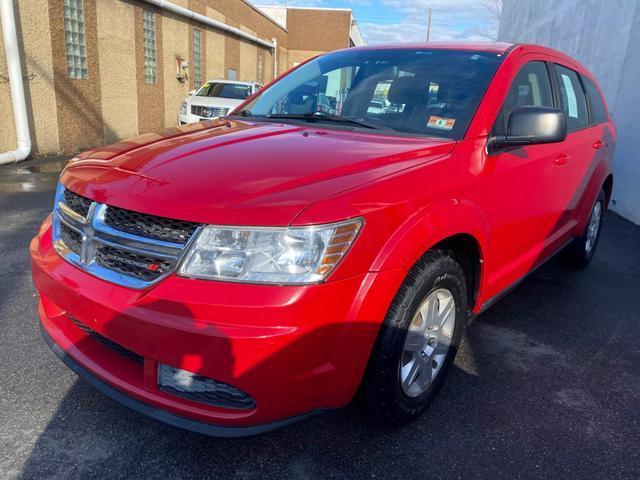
[175,43]
[299,56]
[248,59]
[117,69]
[32,27]
[7,127]
[41,100]
[215,48]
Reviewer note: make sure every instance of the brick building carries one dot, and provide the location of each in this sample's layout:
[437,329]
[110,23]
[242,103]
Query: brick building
[96,71]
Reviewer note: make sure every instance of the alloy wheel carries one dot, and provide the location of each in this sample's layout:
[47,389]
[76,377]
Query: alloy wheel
[594,227]
[427,343]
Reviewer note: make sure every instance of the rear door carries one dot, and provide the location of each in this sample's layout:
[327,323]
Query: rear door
[573,172]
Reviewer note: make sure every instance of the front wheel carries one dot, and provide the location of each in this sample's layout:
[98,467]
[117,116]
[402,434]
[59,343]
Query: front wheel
[580,252]
[418,341]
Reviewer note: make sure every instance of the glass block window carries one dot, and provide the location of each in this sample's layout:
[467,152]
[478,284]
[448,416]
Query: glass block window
[149,45]
[261,67]
[75,42]
[197,58]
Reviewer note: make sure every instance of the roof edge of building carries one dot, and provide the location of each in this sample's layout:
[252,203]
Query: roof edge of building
[264,14]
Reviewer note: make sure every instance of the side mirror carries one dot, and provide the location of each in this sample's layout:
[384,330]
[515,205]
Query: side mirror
[192,92]
[531,125]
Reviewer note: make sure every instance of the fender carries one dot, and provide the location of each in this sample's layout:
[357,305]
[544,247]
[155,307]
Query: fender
[424,229]
[595,184]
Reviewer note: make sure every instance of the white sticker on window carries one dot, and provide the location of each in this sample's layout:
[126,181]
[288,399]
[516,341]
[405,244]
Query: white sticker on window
[572,101]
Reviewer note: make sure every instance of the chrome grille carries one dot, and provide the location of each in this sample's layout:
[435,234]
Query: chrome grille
[144,267]
[77,203]
[150,226]
[117,245]
[208,112]
[71,238]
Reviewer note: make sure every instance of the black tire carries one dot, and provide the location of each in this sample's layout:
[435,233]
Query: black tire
[382,389]
[580,251]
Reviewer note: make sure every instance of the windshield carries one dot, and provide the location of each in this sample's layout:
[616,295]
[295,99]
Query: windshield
[225,90]
[424,92]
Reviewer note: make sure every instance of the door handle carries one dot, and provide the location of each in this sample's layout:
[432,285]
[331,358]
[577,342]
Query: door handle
[561,159]
[598,144]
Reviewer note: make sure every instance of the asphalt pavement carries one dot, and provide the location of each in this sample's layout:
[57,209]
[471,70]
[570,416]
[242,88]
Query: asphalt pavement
[546,385]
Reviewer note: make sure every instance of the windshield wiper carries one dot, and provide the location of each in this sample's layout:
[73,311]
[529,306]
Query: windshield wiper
[325,117]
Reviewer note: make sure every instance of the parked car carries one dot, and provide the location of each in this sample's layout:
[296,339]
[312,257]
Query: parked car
[234,276]
[215,99]
[377,107]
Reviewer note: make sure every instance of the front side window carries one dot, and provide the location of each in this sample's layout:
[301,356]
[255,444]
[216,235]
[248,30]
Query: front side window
[532,86]
[572,98]
[415,92]
[225,90]
[596,105]
[197,57]
[75,42]
[149,47]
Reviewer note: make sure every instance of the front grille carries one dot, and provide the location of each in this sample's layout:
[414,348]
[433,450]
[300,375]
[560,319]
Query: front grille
[135,265]
[71,238]
[208,112]
[77,203]
[105,342]
[198,388]
[121,246]
[158,228]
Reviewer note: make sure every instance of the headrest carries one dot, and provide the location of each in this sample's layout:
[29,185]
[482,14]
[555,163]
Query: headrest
[404,90]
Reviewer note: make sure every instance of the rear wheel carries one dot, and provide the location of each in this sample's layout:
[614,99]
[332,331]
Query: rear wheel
[580,252]
[418,341]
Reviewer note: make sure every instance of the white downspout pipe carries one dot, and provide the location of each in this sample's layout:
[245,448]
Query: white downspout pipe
[12,52]
[275,58]
[185,12]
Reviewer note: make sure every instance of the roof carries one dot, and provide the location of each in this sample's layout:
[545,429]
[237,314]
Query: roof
[493,47]
[235,82]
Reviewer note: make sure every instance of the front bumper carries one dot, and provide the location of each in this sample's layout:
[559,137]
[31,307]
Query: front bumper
[293,349]
[191,118]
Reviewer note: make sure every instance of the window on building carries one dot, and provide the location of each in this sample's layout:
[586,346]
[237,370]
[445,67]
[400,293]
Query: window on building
[232,74]
[260,67]
[197,58]
[572,98]
[75,42]
[596,105]
[149,47]
[532,86]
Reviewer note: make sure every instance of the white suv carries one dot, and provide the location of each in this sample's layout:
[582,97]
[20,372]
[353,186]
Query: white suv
[215,99]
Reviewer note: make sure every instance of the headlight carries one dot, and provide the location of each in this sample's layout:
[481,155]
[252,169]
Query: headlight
[294,255]
[183,108]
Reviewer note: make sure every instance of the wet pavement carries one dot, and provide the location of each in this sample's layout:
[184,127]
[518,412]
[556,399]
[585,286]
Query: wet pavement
[547,385]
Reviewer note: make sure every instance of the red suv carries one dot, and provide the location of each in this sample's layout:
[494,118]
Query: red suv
[233,276]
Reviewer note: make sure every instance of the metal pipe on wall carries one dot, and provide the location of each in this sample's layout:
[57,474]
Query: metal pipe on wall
[185,12]
[12,52]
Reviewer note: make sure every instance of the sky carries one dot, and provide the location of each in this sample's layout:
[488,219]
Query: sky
[384,21]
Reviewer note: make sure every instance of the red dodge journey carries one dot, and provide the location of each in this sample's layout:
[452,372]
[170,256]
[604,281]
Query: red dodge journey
[332,236]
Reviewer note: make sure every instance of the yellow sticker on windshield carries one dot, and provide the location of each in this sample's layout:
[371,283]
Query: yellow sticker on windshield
[441,123]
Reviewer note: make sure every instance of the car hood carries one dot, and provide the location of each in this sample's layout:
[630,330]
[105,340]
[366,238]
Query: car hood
[240,172]
[213,101]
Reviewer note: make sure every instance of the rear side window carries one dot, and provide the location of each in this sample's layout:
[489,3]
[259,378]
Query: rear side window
[532,86]
[572,98]
[596,105]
